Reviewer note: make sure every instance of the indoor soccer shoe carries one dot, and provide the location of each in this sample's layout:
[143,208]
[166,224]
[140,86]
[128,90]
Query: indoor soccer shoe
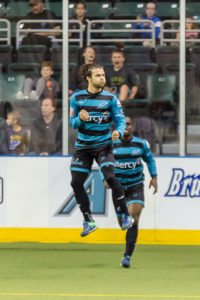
[125,262]
[88,227]
[127,222]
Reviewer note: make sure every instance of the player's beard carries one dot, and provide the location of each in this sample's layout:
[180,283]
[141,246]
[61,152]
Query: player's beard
[99,85]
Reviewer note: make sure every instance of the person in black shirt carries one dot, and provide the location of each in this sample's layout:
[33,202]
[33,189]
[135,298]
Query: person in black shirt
[45,129]
[121,80]
[39,12]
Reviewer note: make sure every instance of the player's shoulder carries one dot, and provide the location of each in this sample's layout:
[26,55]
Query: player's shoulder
[142,142]
[79,95]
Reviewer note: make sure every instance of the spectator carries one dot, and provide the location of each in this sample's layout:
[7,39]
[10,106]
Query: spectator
[121,79]
[45,129]
[88,57]
[150,14]
[39,12]
[16,138]
[44,87]
[79,15]
[189,25]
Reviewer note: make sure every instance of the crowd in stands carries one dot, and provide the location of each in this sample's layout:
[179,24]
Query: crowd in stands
[43,134]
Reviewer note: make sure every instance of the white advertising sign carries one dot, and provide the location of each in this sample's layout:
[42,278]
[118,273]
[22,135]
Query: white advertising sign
[36,193]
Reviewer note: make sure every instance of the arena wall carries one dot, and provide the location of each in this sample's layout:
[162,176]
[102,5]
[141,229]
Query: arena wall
[37,203]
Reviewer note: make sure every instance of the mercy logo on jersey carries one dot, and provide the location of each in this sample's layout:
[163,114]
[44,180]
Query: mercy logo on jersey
[182,185]
[127,165]
[99,119]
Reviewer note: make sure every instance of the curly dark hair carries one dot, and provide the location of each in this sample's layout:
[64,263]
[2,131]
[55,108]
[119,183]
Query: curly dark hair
[86,70]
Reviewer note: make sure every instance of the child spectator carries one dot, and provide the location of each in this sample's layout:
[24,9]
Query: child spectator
[45,86]
[16,139]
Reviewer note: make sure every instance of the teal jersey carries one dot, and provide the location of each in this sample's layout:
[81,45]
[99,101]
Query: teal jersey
[129,157]
[103,108]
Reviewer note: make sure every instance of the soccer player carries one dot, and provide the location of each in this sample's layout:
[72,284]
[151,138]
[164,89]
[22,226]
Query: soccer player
[91,112]
[129,152]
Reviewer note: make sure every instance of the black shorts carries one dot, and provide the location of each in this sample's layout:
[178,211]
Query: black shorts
[135,194]
[83,159]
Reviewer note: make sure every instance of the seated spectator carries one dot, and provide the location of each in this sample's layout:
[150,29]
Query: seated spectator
[150,14]
[39,12]
[16,139]
[121,79]
[88,57]
[189,25]
[45,86]
[45,130]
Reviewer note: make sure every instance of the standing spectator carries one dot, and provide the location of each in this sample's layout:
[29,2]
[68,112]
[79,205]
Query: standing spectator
[16,139]
[80,15]
[88,57]
[45,129]
[44,87]
[121,80]
[39,12]
[150,14]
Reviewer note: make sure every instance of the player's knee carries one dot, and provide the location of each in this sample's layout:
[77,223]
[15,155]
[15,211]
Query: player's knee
[136,219]
[76,185]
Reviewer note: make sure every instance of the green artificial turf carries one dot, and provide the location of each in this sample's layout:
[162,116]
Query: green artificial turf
[33,271]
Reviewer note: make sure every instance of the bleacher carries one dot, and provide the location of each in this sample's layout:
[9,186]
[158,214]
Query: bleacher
[157,66]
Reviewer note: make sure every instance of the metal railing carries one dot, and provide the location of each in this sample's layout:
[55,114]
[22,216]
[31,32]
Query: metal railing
[118,30]
[78,30]
[173,32]
[21,32]
[5,29]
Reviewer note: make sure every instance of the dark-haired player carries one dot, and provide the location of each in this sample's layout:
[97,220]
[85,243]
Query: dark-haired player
[92,111]
[129,152]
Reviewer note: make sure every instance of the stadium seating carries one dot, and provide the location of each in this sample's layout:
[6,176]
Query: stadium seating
[103,53]
[143,70]
[5,55]
[18,9]
[28,69]
[10,85]
[56,54]
[167,55]
[127,9]
[161,92]
[31,54]
[137,54]
[98,10]
[161,88]
[54,6]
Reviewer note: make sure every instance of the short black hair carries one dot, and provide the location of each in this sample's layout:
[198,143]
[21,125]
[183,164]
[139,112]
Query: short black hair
[152,1]
[80,2]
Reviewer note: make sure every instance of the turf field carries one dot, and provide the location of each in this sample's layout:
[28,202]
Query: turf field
[87,271]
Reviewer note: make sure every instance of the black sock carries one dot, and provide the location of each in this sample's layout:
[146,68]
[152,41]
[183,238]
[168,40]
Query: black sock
[131,239]
[84,205]
[118,194]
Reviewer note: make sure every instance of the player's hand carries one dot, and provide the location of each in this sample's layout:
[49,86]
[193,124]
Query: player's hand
[115,135]
[153,183]
[84,115]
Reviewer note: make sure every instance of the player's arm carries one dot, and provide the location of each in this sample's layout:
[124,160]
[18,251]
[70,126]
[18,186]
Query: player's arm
[150,161]
[118,118]
[76,117]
